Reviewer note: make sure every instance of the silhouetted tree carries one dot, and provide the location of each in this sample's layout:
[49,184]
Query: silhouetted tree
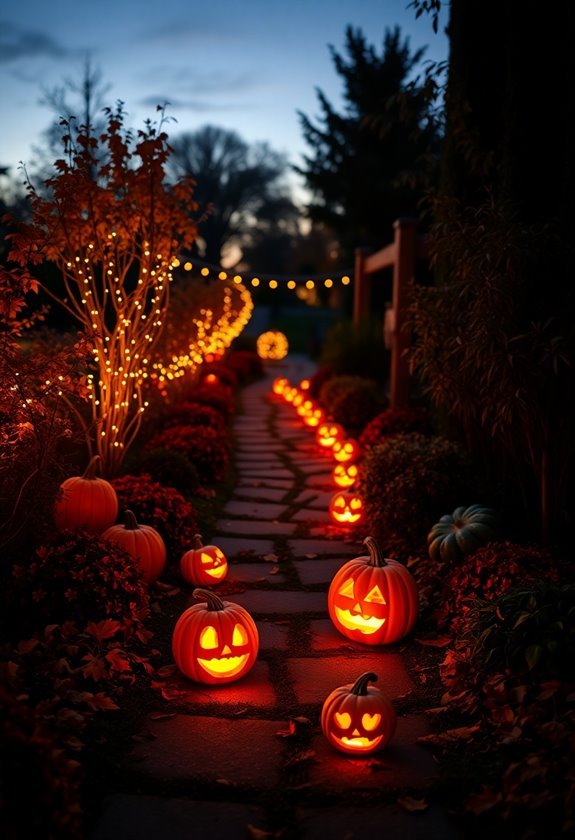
[368,165]
[240,188]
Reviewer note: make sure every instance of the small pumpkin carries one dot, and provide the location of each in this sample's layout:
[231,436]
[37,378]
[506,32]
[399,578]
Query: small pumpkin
[346,508]
[357,718]
[462,533]
[203,565]
[304,408]
[279,385]
[86,501]
[346,451]
[142,542]
[373,600]
[215,642]
[290,394]
[328,433]
[345,475]
[314,417]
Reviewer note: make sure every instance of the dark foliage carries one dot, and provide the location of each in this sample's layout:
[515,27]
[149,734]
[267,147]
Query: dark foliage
[394,421]
[170,468]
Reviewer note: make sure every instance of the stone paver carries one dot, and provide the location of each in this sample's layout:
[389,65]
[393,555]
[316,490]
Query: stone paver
[270,602]
[254,691]
[308,515]
[324,637]
[262,481]
[232,546]
[272,636]
[255,573]
[132,817]
[335,822]
[210,749]
[328,548]
[254,510]
[252,526]
[265,472]
[314,499]
[318,571]
[314,678]
[260,493]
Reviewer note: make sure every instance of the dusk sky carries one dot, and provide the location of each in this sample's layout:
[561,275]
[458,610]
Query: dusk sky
[247,66]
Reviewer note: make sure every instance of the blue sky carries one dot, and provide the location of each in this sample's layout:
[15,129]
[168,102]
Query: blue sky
[247,66]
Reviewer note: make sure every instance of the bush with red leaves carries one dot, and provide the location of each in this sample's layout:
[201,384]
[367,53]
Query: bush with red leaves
[355,406]
[80,577]
[163,508]
[223,373]
[245,364]
[219,397]
[205,448]
[318,380]
[394,421]
[194,414]
[488,573]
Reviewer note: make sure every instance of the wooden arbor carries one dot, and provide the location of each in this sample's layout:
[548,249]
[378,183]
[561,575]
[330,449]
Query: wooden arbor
[400,255]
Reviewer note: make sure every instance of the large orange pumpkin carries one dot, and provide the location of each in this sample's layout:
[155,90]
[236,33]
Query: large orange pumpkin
[215,642]
[357,718]
[373,600]
[86,501]
[142,542]
[346,508]
[203,565]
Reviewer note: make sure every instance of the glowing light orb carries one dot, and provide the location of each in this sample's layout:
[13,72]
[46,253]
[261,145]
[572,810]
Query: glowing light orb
[272,345]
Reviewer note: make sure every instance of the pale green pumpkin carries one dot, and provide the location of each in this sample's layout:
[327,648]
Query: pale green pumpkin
[462,533]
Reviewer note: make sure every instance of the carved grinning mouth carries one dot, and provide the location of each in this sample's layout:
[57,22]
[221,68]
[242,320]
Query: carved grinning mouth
[224,666]
[359,742]
[216,571]
[354,621]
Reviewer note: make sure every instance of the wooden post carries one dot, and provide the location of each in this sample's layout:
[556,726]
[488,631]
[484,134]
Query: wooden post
[403,274]
[361,284]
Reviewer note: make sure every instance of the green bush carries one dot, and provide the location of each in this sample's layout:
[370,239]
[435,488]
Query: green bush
[349,349]
[357,405]
[407,482]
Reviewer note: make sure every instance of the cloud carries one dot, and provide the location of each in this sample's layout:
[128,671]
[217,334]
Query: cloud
[202,82]
[198,106]
[17,43]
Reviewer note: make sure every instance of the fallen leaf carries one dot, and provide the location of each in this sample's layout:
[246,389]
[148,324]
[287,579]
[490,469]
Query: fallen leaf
[261,834]
[270,558]
[460,733]
[411,805]
[240,712]
[479,803]
[301,758]
[441,641]
[162,715]
[310,556]
[166,671]
[274,570]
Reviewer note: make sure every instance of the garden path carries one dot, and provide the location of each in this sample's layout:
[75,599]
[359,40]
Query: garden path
[226,760]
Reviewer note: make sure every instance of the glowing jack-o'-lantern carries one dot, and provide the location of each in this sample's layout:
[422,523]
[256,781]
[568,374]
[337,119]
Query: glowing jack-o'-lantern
[305,407]
[298,399]
[304,385]
[346,508]
[357,718]
[346,451]
[290,394]
[373,600]
[203,565]
[86,501]
[210,379]
[215,642]
[272,345]
[328,433]
[279,385]
[314,417]
[142,542]
[345,475]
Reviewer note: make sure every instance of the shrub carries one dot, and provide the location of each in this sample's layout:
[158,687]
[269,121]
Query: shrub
[217,396]
[335,387]
[353,350]
[487,574]
[194,414]
[169,468]
[357,405]
[318,380]
[81,577]
[245,364]
[206,450]
[407,482]
[394,421]
[162,507]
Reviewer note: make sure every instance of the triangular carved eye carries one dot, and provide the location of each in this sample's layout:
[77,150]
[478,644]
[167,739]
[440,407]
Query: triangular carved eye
[240,637]
[375,596]
[356,503]
[369,722]
[209,638]
[206,559]
[343,720]
[347,589]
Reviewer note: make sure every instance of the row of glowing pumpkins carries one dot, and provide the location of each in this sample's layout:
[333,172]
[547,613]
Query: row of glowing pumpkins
[345,508]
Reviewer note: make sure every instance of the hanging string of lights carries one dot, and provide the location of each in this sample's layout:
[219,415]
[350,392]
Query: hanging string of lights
[255,279]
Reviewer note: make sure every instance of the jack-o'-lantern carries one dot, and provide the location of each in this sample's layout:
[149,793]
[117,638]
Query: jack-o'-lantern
[328,433]
[203,565]
[346,451]
[290,394]
[372,599]
[304,385]
[304,407]
[345,475]
[357,718]
[314,417]
[210,379]
[298,399]
[142,542]
[346,508]
[86,501]
[279,385]
[216,641]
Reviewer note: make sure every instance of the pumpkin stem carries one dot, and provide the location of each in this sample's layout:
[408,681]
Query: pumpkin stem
[130,522]
[376,557]
[360,685]
[92,468]
[214,601]
[197,541]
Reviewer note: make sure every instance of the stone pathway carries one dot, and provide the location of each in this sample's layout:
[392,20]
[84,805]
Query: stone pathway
[226,761]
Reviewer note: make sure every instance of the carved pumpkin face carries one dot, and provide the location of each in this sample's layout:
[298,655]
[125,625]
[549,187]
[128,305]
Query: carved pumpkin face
[298,399]
[346,508]
[290,394]
[345,475]
[314,417]
[215,642]
[203,565]
[279,385]
[304,408]
[357,718]
[328,434]
[346,451]
[372,599]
